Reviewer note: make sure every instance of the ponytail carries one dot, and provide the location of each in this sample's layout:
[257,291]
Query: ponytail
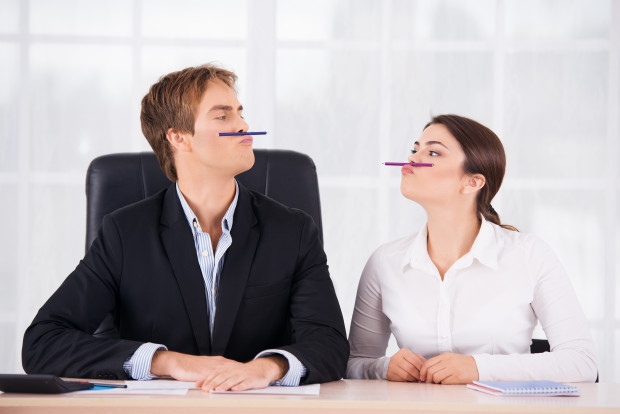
[491,215]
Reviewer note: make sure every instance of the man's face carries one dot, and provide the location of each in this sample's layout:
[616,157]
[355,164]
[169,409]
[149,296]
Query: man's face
[220,111]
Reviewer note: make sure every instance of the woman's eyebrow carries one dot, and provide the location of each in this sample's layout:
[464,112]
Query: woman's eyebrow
[430,143]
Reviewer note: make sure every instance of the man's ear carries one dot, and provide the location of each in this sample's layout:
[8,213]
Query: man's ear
[473,183]
[177,139]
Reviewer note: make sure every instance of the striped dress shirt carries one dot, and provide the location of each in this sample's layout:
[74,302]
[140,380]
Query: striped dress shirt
[138,366]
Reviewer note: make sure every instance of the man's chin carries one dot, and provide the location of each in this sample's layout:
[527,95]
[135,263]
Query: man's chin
[246,163]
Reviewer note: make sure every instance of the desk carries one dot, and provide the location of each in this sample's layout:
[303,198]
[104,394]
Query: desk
[346,396]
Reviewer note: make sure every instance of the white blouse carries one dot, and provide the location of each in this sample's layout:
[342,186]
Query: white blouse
[486,306]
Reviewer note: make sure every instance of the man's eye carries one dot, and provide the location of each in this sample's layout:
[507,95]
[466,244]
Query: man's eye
[221,118]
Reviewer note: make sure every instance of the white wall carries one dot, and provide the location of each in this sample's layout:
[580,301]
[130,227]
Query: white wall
[349,82]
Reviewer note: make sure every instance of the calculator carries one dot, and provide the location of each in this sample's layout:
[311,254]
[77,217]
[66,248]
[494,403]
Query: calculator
[40,384]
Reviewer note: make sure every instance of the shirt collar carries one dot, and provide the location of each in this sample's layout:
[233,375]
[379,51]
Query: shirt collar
[485,249]
[227,221]
[417,252]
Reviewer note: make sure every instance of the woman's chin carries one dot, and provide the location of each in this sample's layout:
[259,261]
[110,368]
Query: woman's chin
[409,193]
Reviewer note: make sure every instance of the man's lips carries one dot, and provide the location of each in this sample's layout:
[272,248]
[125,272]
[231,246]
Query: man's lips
[248,139]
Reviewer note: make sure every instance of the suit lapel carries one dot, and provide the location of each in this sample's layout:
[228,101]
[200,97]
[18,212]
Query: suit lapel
[237,264]
[179,244]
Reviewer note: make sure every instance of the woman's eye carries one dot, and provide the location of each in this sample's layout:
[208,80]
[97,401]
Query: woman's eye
[433,153]
[413,151]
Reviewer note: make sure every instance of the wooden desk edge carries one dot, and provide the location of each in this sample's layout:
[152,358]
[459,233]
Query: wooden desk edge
[327,402]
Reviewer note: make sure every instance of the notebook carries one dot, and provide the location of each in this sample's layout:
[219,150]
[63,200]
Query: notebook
[524,388]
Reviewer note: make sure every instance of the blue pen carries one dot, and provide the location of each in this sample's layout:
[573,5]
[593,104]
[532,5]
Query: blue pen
[108,385]
[234,134]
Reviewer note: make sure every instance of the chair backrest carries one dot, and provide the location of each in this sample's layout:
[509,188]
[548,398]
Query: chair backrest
[539,346]
[117,180]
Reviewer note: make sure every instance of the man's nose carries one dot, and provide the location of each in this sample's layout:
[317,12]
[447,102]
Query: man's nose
[243,126]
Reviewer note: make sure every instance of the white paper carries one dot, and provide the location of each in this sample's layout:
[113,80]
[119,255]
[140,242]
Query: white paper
[160,385]
[127,391]
[172,387]
[152,387]
[312,389]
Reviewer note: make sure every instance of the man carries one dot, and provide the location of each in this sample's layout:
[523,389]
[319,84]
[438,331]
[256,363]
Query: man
[209,281]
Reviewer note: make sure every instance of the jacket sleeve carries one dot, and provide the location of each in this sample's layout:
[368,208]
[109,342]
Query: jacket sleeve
[319,336]
[60,339]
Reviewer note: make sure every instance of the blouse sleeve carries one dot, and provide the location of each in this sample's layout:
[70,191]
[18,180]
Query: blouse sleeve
[370,330]
[572,357]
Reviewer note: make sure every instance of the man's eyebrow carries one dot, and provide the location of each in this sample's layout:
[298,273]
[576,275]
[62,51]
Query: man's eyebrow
[224,108]
[431,143]
[220,108]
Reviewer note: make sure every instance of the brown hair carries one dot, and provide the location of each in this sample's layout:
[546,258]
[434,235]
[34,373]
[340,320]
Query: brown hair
[172,103]
[484,154]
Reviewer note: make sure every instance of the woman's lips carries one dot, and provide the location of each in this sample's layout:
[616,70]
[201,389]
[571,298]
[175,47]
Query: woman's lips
[407,169]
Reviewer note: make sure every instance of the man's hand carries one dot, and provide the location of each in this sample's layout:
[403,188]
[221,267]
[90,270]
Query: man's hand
[450,368]
[185,367]
[255,374]
[405,366]
[219,373]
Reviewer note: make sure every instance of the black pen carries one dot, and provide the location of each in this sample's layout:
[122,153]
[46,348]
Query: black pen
[102,384]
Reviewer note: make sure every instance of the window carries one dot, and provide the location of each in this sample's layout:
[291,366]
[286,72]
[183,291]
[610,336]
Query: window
[349,82]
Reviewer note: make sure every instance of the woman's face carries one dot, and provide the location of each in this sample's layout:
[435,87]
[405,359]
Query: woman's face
[442,183]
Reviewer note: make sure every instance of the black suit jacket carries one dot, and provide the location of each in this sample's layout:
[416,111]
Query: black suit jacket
[274,292]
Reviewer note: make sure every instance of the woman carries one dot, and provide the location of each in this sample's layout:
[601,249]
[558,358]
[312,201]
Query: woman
[462,296]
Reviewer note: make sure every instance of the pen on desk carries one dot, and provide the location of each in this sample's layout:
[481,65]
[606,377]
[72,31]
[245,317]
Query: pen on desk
[234,134]
[414,164]
[107,385]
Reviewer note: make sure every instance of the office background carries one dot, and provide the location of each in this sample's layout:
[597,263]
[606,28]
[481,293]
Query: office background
[349,82]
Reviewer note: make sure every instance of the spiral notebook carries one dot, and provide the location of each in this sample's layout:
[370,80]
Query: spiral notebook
[525,388]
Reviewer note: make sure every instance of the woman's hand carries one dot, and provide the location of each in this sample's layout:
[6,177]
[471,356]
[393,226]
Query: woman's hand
[405,366]
[449,368]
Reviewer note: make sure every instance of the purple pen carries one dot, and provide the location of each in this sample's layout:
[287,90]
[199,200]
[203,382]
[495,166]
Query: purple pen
[235,134]
[414,164]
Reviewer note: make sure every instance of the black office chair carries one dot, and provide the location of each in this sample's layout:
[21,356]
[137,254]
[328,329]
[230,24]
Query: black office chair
[539,346]
[116,180]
